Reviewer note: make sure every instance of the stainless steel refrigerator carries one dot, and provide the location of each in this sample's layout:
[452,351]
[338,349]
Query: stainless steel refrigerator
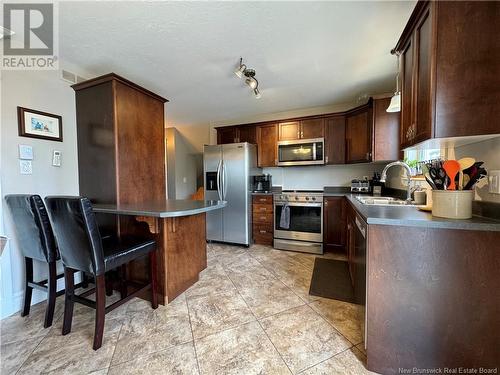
[228,170]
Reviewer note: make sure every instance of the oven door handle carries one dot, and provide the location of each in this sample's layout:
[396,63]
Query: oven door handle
[293,204]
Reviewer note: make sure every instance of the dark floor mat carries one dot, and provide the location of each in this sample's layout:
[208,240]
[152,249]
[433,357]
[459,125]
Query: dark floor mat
[331,279]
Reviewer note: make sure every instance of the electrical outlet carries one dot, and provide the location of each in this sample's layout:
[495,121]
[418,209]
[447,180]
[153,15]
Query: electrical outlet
[494,182]
[25,167]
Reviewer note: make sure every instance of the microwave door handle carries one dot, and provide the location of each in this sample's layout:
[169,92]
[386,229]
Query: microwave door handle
[314,151]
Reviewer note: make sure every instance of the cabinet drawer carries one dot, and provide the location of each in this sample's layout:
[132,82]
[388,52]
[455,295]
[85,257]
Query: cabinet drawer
[263,234]
[265,218]
[262,208]
[263,199]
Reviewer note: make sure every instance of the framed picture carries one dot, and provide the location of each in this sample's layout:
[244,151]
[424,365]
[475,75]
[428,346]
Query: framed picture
[38,124]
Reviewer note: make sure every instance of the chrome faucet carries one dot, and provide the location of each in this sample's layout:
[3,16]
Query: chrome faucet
[383,176]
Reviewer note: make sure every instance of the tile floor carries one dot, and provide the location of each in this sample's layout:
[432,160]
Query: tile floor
[250,313]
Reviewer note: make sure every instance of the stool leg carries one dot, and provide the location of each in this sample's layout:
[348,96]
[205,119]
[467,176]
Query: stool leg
[123,281]
[109,284]
[152,278]
[51,295]
[28,291]
[69,279]
[85,283]
[100,302]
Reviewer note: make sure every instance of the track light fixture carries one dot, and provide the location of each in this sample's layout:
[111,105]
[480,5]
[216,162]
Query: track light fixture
[250,79]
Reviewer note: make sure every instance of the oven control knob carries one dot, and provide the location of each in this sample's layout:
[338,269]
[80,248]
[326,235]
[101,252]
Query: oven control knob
[307,198]
[296,198]
[313,198]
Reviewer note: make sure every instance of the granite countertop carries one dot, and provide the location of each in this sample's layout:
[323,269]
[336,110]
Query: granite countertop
[163,209]
[260,193]
[410,216]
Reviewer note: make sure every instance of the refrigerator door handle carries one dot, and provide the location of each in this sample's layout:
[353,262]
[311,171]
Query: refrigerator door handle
[219,180]
[224,180]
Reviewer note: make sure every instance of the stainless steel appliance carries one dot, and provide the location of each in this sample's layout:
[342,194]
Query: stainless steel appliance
[301,152]
[228,170]
[304,231]
[262,183]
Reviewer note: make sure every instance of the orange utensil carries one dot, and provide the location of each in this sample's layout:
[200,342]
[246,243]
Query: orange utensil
[451,167]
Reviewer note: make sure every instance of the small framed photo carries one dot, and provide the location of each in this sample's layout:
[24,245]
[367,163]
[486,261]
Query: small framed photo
[38,124]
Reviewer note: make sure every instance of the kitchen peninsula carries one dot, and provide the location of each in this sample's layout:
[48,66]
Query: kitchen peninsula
[179,229]
[121,166]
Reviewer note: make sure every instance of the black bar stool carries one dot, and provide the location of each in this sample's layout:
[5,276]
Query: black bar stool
[36,241]
[82,248]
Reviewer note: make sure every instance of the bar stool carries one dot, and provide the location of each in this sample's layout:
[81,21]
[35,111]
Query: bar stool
[36,241]
[82,249]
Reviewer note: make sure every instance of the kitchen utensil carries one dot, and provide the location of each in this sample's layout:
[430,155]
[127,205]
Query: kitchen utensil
[438,176]
[452,167]
[476,175]
[464,164]
[425,172]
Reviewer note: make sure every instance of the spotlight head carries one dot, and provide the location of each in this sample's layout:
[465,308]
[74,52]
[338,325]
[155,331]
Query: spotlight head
[252,82]
[257,93]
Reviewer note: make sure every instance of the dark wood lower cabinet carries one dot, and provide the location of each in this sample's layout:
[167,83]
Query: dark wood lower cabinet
[432,299]
[263,219]
[334,223]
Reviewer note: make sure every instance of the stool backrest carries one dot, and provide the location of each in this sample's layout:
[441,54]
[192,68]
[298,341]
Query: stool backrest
[32,227]
[77,233]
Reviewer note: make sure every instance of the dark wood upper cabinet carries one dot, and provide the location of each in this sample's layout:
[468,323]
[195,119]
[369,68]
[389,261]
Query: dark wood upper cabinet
[385,145]
[227,134]
[289,131]
[359,123]
[247,134]
[303,129]
[450,71]
[335,140]
[312,128]
[267,139]
[334,223]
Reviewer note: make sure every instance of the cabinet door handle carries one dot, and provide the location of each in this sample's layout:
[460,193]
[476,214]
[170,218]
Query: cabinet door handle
[263,199]
[262,218]
[326,160]
[368,155]
[262,231]
[263,209]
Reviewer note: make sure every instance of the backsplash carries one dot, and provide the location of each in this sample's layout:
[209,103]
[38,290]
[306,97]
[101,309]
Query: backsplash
[317,177]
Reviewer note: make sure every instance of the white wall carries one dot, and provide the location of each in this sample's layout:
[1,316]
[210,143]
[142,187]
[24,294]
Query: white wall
[316,178]
[488,152]
[41,90]
[181,166]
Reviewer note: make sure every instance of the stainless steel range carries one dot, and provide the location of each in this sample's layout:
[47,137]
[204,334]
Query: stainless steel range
[298,221]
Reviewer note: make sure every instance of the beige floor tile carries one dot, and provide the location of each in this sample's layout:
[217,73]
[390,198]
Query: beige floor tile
[349,362]
[73,353]
[146,331]
[216,312]
[13,355]
[347,318]
[177,360]
[242,350]
[268,297]
[17,328]
[303,337]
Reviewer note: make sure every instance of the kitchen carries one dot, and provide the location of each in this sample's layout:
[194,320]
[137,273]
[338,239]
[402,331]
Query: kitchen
[290,241]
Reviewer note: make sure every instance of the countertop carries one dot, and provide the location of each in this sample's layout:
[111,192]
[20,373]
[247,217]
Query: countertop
[163,209]
[410,216]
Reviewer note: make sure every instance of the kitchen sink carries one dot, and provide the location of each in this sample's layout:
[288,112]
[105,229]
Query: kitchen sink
[383,201]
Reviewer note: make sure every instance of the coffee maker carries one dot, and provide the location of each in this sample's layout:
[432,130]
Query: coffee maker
[262,183]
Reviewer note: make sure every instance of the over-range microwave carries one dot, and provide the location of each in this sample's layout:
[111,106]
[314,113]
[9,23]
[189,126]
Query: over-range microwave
[301,152]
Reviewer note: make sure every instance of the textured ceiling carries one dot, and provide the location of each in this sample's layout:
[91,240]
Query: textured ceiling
[306,54]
